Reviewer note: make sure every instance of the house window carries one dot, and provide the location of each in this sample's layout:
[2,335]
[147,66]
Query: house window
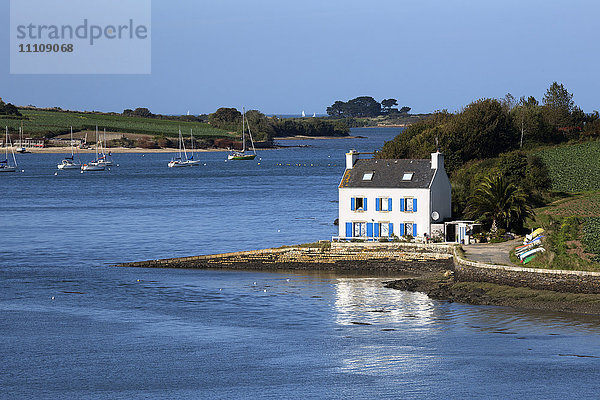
[408,230]
[407,176]
[384,229]
[408,205]
[368,176]
[358,203]
[360,229]
[384,204]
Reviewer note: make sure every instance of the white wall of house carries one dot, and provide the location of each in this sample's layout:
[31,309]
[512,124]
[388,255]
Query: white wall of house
[421,217]
[441,193]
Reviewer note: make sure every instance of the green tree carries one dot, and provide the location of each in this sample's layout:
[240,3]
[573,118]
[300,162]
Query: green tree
[387,104]
[226,118]
[337,109]
[8,109]
[405,110]
[558,105]
[363,106]
[496,202]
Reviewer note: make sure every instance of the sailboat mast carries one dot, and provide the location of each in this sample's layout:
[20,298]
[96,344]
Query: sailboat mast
[192,141]
[96,142]
[243,130]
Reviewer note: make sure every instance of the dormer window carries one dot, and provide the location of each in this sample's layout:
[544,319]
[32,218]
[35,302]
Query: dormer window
[368,176]
[407,176]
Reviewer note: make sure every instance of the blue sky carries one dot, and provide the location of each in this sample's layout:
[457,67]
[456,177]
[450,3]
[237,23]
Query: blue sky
[285,57]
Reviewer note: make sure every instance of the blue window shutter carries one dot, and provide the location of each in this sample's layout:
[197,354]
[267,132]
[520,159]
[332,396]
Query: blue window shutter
[401,229]
[352,206]
[377,204]
[376,232]
[370,229]
[389,204]
[348,229]
[415,205]
[365,204]
[415,229]
[391,229]
[402,205]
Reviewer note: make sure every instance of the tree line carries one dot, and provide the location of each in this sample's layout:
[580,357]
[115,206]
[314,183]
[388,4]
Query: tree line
[487,147]
[364,107]
[266,128]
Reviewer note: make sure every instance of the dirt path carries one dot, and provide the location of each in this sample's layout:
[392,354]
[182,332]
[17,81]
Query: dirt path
[496,253]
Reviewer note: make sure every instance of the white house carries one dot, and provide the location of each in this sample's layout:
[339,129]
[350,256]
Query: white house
[381,198]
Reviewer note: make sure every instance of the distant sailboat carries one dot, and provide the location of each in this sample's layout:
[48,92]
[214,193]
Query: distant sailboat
[21,148]
[314,115]
[69,162]
[241,155]
[190,159]
[104,159]
[94,165]
[4,164]
[182,160]
[303,114]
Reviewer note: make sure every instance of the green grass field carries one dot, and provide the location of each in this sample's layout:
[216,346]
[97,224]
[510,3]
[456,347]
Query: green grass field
[37,123]
[574,168]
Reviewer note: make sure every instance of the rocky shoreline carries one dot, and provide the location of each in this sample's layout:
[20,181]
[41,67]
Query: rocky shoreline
[445,287]
[436,270]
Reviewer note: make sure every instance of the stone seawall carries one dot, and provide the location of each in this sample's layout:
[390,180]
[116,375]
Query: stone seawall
[414,258]
[337,258]
[564,281]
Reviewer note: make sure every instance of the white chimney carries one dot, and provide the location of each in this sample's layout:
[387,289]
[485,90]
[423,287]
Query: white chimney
[351,158]
[437,160]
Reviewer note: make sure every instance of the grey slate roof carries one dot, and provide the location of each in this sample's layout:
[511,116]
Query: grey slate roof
[388,174]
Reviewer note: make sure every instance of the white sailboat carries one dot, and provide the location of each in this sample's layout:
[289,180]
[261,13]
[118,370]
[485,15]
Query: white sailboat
[190,159]
[182,159]
[303,114]
[314,115]
[94,165]
[104,159]
[21,148]
[69,162]
[241,155]
[5,166]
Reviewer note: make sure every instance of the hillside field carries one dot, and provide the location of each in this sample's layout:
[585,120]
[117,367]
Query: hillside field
[574,168]
[38,123]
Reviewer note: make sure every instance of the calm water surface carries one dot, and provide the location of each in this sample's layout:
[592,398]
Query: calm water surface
[142,333]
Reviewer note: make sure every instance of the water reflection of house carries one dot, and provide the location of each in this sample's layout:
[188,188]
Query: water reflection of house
[381,198]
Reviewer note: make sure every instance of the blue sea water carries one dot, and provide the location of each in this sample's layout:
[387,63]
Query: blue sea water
[71,326]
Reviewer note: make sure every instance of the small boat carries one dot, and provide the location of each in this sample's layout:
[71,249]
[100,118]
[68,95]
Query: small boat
[190,159]
[531,252]
[241,155]
[69,162]
[5,166]
[104,159]
[94,165]
[21,149]
[182,159]
[534,234]
[303,114]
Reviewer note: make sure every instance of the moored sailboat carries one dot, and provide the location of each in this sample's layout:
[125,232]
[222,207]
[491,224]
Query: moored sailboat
[241,155]
[5,165]
[69,162]
[182,159]
[94,165]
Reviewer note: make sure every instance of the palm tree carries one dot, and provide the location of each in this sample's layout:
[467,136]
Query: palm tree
[499,202]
